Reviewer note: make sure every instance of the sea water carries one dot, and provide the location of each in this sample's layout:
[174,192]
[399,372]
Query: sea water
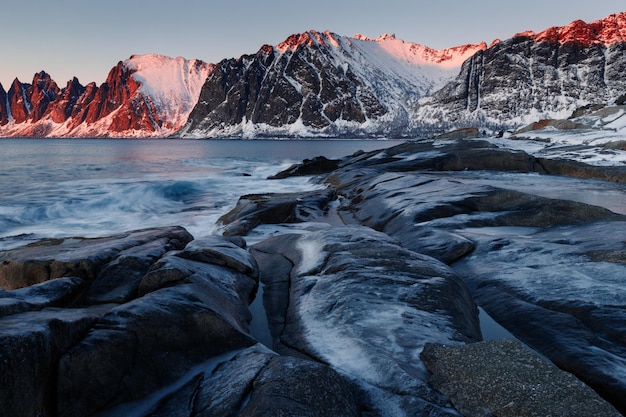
[53,188]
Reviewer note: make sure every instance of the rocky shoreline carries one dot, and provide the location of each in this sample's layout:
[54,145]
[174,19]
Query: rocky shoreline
[371,300]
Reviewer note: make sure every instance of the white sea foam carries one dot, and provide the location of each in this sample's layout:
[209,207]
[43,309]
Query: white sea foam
[312,254]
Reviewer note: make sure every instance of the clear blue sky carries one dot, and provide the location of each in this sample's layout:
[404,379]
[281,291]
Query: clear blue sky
[86,39]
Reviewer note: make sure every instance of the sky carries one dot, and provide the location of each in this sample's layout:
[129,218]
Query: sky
[68,38]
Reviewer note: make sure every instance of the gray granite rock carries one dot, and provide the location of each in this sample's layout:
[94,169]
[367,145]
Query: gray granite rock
[559,291]
[258,382]
[151,311]
[504,379]
[221,251]
[145,344]
[56,293]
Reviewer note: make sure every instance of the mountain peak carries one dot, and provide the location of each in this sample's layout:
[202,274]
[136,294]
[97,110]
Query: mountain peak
[308,38]
[417,53]
[607,31]
[383,37]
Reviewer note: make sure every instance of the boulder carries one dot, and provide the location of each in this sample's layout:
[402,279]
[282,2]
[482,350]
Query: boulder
[228,252]
[556,124]
[503,378]
[78,257]
[315,166]
[581,170]
[144,345]
[465,133]
[31,344]
[57,293]
[257,382]
[229,286]
[118,280]
[253,210]
[289,386]
[618,145]
[221,390]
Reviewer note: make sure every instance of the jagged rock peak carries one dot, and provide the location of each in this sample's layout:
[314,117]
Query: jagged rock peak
[607,31]
[383,37]
[309,38]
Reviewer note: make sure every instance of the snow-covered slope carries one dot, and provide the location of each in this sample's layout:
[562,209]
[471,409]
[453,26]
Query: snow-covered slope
[323,84]
[173,85]
[143,96]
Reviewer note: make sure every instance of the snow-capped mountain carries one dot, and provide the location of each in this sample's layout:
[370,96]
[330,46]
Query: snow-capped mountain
[534,76]
[320,84]
[323,84]
[143,96]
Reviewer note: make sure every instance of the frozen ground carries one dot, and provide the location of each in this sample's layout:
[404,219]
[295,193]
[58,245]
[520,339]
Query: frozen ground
[601,144]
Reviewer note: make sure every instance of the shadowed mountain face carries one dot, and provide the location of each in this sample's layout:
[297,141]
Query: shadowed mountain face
[522,80]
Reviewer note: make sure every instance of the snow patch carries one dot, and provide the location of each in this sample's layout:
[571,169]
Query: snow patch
[173,85]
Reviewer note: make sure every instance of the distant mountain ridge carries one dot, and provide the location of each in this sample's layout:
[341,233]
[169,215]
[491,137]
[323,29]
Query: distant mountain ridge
[143,96]
[320,84]
[607,32]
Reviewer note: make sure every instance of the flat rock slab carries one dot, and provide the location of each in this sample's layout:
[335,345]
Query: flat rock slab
[559,290]
[501,378]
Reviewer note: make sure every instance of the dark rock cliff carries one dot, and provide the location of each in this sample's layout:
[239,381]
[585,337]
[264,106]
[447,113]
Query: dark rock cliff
[532,76]
[302,83]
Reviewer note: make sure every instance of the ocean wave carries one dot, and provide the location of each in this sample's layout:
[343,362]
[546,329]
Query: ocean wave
[179,191]
[93,208]
[80,189]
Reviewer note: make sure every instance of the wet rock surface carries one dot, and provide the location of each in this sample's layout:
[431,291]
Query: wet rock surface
[361,303]
[258,382]
[548,269]
[315,166]
[65,352]
[155,323]
[560,291]
[256,209]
